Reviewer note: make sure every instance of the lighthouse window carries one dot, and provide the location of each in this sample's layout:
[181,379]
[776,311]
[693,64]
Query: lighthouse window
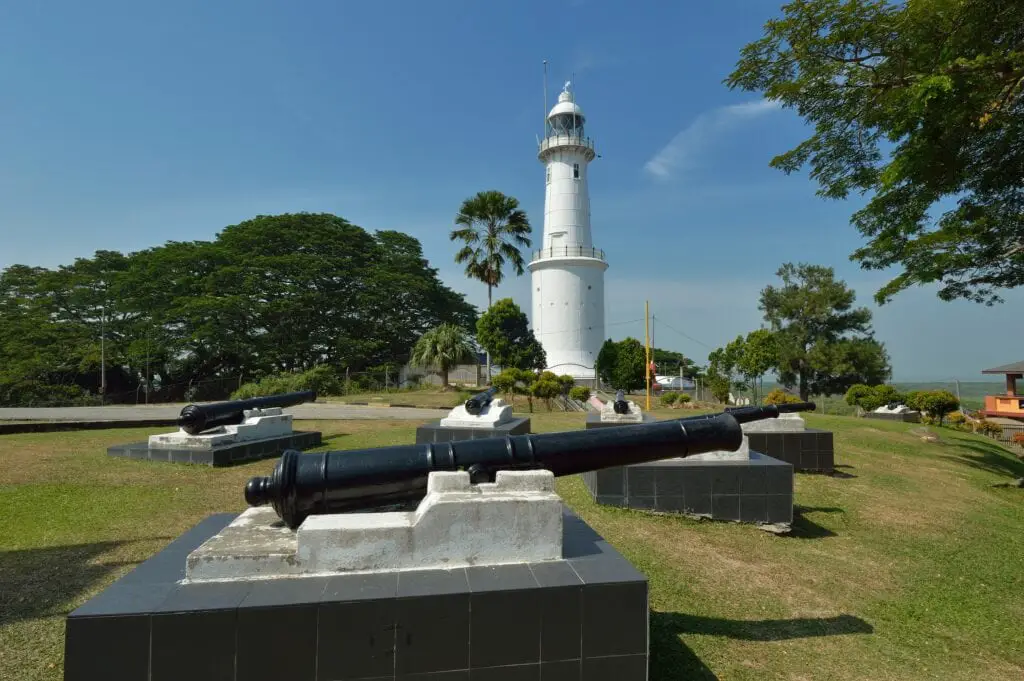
[576,171]
[547,175]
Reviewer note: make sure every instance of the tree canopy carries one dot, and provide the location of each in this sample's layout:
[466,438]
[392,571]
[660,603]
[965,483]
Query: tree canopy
[273,294]
[622,364]
[919,105]
[442,348]
[504,332]
[824,343]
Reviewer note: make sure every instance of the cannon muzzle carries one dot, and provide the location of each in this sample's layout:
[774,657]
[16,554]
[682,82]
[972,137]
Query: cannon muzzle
[620,405]
[476,404]
[357,480]
[196,418]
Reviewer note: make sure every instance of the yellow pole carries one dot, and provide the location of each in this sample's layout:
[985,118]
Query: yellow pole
[647,351]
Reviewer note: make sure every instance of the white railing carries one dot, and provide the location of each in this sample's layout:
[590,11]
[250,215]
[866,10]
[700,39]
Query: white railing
[569,252]
[566,140]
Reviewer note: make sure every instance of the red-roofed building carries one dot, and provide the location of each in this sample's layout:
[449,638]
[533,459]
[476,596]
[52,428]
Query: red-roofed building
[1010,405]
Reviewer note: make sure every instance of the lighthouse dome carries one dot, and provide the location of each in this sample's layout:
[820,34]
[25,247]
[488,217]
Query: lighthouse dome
[566,105]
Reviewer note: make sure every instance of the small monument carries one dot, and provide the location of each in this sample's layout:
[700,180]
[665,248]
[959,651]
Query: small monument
[895,411]
[223,433]
[482,415]
[788,439]
[618,412]
[732,483]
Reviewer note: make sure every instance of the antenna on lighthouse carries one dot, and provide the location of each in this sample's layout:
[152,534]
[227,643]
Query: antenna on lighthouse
[545,128]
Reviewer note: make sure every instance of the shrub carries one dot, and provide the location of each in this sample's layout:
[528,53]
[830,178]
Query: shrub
[870,398]
[957,418]
[580,393]
[323,380]
[567,382]
[546,388]
[938,403]
[669,398]
[779,396]
[986,427]
[684,398]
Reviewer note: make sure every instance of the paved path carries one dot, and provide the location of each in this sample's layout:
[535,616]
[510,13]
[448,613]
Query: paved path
[171,411]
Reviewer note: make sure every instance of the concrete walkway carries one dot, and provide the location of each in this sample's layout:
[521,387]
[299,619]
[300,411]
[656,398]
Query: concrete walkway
[171,411]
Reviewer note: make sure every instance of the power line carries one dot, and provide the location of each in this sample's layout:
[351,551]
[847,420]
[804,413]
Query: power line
[687,336]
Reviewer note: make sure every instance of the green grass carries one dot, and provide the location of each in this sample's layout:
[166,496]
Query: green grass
[413,398]
[908,565]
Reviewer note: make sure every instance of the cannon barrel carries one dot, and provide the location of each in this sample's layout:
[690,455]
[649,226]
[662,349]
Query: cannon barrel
[357,480]
[620,405]
[196,418]
[476,403]
[748,414]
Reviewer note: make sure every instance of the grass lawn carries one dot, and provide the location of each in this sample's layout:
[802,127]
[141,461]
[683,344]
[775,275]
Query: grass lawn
[908,565]
[411,398]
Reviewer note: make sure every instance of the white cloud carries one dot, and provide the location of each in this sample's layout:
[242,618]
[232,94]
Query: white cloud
[684,150]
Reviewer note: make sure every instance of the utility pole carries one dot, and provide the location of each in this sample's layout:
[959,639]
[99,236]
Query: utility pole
[103,354]
[147,368]
[647,352]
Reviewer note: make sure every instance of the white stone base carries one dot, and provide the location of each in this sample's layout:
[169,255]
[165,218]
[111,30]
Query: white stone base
[723,455]
[517,519]
[608,414]
[494,414]
[259,424]
[784,423]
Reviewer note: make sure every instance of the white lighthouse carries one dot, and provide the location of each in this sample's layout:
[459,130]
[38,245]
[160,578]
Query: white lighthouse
[568,272]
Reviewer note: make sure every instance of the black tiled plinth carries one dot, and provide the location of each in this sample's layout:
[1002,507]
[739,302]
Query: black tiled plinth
[810,450]
[221,456]
[583,618]
[435,432]
[758,490]
[594,421]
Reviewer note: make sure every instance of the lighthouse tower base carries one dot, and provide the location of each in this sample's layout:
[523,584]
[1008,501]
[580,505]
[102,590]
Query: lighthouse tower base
[568,310]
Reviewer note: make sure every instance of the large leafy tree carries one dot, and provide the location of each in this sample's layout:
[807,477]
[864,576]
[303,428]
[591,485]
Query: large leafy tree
[824,343]
[759,355]
[273,294]
[921,106]
[622,364]
[492,229]
[442,348]
[504,332]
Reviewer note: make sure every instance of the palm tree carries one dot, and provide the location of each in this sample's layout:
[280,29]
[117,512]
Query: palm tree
[492,228]
[442,347]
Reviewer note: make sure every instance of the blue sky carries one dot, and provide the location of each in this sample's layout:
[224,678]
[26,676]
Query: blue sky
[127,124]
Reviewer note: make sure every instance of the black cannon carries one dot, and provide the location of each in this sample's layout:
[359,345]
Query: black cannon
[196,418]
[620,405]
[331,482]
[476,403]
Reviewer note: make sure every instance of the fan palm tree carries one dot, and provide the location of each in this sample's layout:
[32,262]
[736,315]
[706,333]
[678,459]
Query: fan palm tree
[492,228]
[442,347]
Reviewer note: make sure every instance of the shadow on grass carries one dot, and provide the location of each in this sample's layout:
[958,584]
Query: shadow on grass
[987,457]
[329,439]
[671,658]
[805,528]
[44,582]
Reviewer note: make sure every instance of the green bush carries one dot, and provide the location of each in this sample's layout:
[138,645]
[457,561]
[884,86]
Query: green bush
[580,393]
[986,427]
[779,396]
[546,389]
[869,397]
[669,398]
[684,398]
[323,380]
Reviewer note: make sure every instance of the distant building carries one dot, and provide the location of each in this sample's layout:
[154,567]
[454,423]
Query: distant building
[1009,405]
